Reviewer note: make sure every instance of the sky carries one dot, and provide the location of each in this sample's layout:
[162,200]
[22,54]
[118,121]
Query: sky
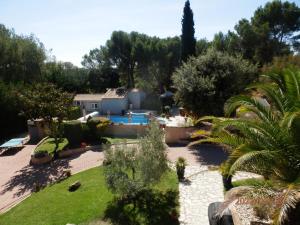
[71,28]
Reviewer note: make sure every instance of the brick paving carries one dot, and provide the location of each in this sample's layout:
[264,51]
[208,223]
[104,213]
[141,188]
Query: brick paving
[17,177]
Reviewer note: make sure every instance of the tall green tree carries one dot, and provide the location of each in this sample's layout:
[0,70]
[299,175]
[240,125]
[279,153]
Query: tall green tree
[21,57]
[272,31]
[188,41]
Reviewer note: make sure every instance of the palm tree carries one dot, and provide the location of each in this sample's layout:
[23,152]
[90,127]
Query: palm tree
[265,143]
[268,141]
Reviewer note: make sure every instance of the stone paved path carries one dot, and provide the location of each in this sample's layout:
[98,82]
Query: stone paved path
[203,186]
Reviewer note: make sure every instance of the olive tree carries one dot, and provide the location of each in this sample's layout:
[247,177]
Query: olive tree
[132,168]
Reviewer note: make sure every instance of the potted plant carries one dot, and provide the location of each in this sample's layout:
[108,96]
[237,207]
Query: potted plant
[226,177]
[180,168]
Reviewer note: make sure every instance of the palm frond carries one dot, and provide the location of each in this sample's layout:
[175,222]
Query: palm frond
[285,204]
[254,159]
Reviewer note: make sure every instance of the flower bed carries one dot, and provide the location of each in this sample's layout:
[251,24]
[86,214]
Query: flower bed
[48,146]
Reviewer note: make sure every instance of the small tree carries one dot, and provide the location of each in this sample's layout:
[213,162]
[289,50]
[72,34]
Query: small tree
[48,102]
[128,170]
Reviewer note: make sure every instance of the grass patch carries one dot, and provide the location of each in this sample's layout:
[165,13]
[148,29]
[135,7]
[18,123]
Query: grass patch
[259,182]
[55,205]
[49,146]
[111,140]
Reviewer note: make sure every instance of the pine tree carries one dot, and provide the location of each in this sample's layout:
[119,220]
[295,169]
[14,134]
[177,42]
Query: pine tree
[188,41]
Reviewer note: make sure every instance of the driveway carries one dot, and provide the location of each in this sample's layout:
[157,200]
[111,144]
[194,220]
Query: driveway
[17,177]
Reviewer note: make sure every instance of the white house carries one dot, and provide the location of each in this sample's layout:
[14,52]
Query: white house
[114,101]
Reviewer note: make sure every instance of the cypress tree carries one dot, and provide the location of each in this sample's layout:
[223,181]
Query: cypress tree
[188,41]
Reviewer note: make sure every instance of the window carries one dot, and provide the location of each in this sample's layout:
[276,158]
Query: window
[78,103]
[94,105]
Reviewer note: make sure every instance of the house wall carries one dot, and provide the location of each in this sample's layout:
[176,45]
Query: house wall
[136,98]
[114,106]
[88,106]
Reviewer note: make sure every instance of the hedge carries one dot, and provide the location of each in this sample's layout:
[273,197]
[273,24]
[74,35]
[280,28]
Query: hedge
[73,132]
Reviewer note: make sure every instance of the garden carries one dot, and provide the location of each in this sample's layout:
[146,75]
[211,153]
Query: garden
[240,92]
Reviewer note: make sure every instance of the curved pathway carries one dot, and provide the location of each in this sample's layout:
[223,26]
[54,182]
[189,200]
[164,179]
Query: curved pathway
[203,185]
[17,177]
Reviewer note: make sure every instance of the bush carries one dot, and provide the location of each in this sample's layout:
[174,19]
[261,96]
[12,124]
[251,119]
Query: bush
[92,128]
[74,113]
[206,82]
[73,132]
[180,168]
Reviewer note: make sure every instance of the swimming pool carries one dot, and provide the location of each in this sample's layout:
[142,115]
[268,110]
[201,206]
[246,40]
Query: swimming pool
[135,119]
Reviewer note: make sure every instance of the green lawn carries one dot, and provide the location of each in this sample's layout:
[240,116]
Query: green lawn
[49,146]
[56,205]
[111,140]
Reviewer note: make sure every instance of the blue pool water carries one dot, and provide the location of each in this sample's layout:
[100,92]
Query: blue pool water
[135,119]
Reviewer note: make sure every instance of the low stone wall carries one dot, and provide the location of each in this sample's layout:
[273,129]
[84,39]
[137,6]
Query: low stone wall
[125,131]
[38,161]
[175,135]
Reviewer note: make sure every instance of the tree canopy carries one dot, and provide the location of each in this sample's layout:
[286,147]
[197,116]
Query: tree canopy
[205,82]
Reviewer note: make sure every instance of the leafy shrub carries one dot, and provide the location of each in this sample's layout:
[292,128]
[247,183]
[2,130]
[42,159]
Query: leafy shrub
[73,132]
[206,82]
[74,113]
[92,128]
[180,168]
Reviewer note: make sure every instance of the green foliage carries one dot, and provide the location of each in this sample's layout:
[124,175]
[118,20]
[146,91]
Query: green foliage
[92,125]
[180,167]
[188,41]
[66,76]
[72,130]
[137,59]
[129,169]
[265,143]
[49,146]
[206,82]
[10,120]
[22,57]
[279,64]
[272,31]
[65,207]
[74,113]
[45,101]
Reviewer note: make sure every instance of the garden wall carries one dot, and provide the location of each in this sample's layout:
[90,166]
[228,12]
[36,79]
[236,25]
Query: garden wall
[125,131]
[175,135]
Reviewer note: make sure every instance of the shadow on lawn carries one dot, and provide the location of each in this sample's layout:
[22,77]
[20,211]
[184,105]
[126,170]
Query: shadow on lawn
[29,176]
[152,207]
